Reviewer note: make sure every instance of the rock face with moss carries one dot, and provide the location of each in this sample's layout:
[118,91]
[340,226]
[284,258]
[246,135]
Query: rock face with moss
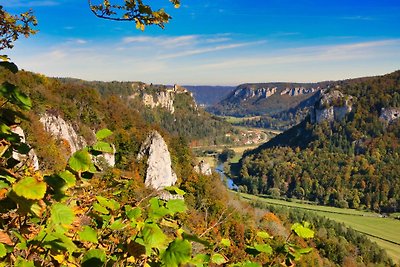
[60,129]
[332,106]
[159,173]
[63,130]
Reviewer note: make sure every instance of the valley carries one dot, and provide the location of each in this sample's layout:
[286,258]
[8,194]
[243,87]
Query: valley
[382,230]
[179,133]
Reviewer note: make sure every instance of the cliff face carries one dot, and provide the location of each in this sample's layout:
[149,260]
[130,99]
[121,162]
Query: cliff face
[63,130]
[299,91]
[203,168]
[245,93]
[163,97]
[31,157]
[159,173]
[390,114]
[60,129]
[332,106]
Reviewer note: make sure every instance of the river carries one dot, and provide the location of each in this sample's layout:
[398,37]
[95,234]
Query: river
[229,183]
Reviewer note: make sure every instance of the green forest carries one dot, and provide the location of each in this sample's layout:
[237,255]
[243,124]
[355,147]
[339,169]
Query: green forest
[348,163]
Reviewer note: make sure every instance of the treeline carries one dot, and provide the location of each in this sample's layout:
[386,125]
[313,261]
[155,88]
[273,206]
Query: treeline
[349,163]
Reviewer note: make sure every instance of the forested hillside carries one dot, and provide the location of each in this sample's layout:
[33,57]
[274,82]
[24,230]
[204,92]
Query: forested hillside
[346,152]
[107,208]
[175,110]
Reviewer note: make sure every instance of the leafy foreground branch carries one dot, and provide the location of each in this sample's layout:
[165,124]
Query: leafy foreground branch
[61,219]
[132,10]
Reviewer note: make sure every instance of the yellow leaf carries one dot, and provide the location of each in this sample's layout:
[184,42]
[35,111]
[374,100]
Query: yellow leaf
[131,259]
[59,258]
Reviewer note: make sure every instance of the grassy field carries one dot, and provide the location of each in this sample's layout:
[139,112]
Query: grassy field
[384,231]
[234,120]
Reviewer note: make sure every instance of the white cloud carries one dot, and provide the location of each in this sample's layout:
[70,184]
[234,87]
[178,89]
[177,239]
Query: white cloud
[165,41]
[225,61]
[207,50]
[316,54]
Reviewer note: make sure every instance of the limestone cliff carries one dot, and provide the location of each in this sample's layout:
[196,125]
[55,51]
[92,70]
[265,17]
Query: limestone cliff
[203,168]
[249,92]
[332,106]
[157,96]
[60,129]
[159,173]
[63,130]
[299,91]
[389,114]
[31,158]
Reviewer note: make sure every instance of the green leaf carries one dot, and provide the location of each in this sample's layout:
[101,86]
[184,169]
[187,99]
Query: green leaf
[99,208]
[94,258]
[218,259]
[10,66]
[103,133]
[195,238]
[3,250]
[263,235]
[176,205]
[178,252]
[225,242]
[80,161]
[103,147]
[88,234]
[200,260]
[23,263]
[22,100]
[61,214]
[156,210]
[133,213]
[175,190]
[4,184]
[108,203]
[153,236]
[304,250]
[30,188]
[302,231]
[57,241]
[267,249]
[68,177]
[117,225]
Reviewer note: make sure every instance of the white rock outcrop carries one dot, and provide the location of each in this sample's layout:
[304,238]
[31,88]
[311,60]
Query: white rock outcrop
[107,158]
[63,130]
[31,158]
[250,92]
[332,106]
[159,173]
[164,99]
[389,114]
[299,91]
[203,168]
[60,129]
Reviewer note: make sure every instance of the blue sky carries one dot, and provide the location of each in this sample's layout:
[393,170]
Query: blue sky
[215,42]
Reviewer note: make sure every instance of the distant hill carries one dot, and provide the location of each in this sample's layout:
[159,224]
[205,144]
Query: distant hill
[209,95]
[345,153]
[277,105]
[173,108]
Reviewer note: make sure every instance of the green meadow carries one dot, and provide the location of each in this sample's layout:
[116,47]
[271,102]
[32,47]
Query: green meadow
[384,231]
